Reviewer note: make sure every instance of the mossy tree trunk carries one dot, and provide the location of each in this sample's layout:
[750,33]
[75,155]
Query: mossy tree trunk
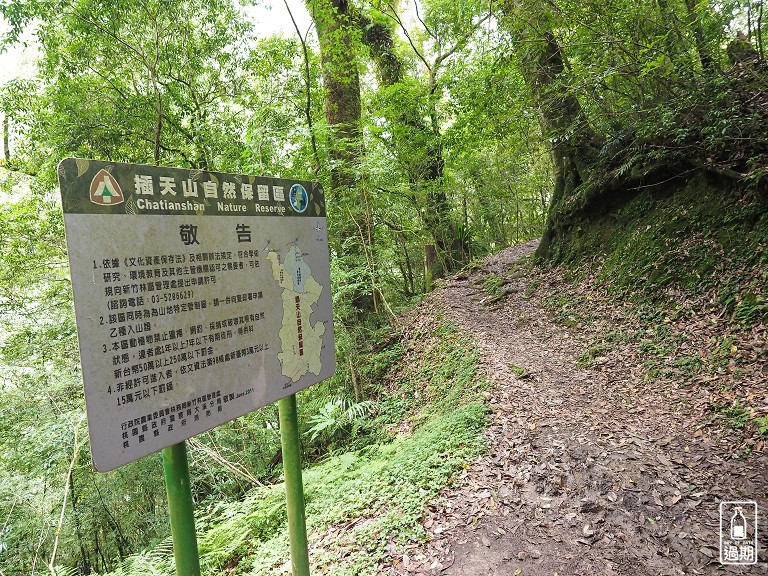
[427,169]
[341,80]
[572,142]
[336,30]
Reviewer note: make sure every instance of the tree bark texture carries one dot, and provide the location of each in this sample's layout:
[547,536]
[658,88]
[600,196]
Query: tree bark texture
[336,29]
[335,33]
[572,141]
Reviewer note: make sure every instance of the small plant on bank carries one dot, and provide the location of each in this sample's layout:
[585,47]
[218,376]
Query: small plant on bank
[494,287]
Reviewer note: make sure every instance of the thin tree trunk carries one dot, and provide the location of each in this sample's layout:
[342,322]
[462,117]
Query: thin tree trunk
[6,138]
[308,86]
[410,288]
[759,30]
[698,34]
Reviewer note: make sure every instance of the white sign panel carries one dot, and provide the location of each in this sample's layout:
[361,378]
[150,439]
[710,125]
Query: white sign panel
[199,297]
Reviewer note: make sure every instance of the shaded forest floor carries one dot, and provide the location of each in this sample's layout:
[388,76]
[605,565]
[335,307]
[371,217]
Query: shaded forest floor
[614,432]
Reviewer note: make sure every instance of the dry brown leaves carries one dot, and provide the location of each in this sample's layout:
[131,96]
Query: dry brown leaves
[603,470]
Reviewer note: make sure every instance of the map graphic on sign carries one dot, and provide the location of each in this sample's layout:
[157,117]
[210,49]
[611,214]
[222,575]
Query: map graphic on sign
[199,297]
[301,340]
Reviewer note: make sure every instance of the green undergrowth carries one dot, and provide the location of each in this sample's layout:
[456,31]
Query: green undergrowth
[427,424]
[740,417]
[493,286]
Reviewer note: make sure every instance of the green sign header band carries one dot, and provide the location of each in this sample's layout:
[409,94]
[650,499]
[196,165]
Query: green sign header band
[96,187]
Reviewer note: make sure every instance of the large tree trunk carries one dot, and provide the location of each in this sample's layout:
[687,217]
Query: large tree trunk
[354,227]
[562,119]
[341,80]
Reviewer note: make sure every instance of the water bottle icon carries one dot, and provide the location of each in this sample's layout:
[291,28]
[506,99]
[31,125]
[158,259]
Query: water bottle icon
[738,525]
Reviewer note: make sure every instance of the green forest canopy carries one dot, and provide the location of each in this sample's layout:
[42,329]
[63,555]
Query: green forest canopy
[441,130]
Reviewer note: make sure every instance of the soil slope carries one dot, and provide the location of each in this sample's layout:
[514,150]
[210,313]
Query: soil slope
[596,470]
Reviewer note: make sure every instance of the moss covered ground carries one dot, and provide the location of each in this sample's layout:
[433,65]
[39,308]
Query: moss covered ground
[687,238]
[680,274]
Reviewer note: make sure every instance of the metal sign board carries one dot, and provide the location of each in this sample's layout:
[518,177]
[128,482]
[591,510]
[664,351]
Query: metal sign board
[199,297]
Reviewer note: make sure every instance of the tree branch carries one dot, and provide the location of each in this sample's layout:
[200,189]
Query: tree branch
[397,19]
[308,85]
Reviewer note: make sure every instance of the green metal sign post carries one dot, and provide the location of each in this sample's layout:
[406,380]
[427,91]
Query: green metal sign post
[294,489]
[181,510]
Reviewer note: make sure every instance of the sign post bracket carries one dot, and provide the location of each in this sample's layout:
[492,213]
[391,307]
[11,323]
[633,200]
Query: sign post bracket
[294,489]
[181,510]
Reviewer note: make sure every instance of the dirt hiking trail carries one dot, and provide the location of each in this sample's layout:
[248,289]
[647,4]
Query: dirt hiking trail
[589,471]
